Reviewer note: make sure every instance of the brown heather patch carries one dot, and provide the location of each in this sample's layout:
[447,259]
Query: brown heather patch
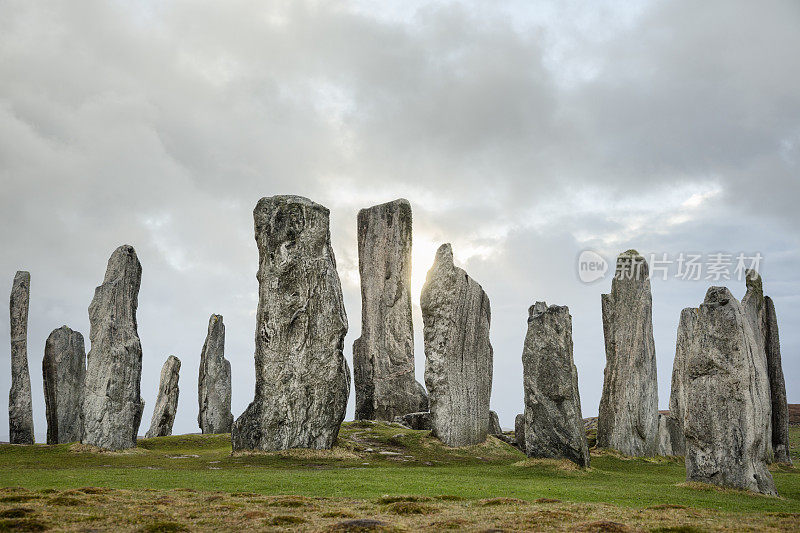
[560,465]
[603,526]
[16,512]
[695,485]
[546,500]
[286,520]
[336,453]
[23,524]
[501,501]
[410,508]
[400,498]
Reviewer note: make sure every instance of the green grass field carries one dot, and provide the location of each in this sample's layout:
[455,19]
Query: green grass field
[402,478]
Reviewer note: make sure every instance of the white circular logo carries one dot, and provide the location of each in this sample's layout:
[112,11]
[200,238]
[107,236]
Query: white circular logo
[591,266]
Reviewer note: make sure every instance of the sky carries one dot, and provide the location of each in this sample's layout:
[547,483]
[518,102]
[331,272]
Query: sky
[522,134]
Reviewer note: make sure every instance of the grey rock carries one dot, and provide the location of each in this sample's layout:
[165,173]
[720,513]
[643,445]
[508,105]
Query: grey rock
[420,420]
[214,381]
[727,412]
[671,441]
[64,371]
[494,424]
[628,417]
[112,403]
[383,357]
[553,420]
[519,431]
[167,400]
[777,384]
[302,378]
[670,436]
[20,407]
[458,355]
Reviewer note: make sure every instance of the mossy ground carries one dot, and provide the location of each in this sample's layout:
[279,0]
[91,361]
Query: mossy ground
[380,476]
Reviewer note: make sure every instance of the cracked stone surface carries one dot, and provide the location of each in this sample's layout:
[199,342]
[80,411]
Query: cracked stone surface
[383,357]
[302,377]
[214,381]
[628,416]
[553,420]
[727,415]
[20,406]
[112,404]
[64,372]
[167,400]
[458,354]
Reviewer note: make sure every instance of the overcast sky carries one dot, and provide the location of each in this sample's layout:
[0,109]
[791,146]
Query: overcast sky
[522,135]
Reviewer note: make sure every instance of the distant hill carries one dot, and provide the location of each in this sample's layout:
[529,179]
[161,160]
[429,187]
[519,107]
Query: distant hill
[794,414]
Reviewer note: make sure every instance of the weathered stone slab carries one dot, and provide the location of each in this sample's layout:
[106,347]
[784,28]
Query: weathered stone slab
[458,366]
[780,408]
[302,378]
[20,406]
[494,424]
[727,411]
[214,381]
[383,357]
[64,371]
[671,441]
[112,404]
[167,400]
[628,418]
[519,431]
[553,420]
[420,420]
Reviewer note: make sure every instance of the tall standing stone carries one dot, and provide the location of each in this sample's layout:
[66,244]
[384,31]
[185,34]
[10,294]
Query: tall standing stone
[214,381]
[20,407]
[64,371]
[727,412]
[670,426]
[553,420]
[628,418]
[780,408]
[167,400]
[494,424]
[302,377]
[112,405]
[761,311]
[458,364]
[383,357]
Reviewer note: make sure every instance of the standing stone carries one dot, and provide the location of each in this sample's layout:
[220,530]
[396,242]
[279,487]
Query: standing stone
[727,412]
[494,424]
[167,400]
[519,431]
[214,382]
[670,427]
[64,371]
[628,418]
[780,409]
[112,404]
[383,357]
[302,378]
[20,408]
[458,366]
[553,420]
[761,312]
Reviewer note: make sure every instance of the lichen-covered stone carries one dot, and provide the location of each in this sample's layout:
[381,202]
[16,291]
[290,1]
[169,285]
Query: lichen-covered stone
[727,412]
[64,371]
[383,357]
[112,404]
[671,441]
[553,420]
[20,407]
[420,420]
[780,408]
[519,431]
[214,381]
[302,378]
[167,400]
[494,424]
[628,418]
[458,355]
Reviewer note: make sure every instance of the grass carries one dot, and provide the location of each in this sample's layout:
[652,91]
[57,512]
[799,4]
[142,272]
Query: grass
[402,478]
